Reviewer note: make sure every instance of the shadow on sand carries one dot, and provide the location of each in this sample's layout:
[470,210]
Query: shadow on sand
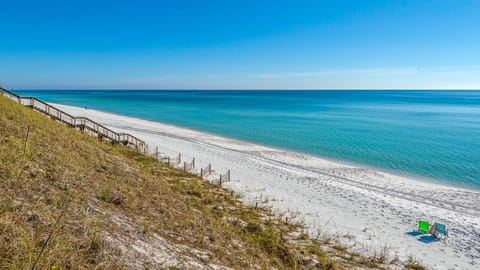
[427,239]
[424,238]
[414,233]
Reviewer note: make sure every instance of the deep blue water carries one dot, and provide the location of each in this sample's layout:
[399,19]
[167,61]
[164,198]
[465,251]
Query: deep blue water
[429,134]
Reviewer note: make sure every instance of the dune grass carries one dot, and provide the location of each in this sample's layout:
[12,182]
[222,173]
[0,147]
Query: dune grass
[69,201]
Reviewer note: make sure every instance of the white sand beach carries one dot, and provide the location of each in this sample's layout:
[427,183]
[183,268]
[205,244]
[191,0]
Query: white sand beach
[367,209]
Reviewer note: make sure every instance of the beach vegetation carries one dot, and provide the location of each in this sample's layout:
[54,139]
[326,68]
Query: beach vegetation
[414,264]
[73,202]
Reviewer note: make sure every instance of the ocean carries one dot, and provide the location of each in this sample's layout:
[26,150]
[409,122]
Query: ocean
[432,135]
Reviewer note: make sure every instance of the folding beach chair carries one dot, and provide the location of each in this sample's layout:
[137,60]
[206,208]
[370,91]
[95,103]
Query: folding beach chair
[423,226]
[439,230]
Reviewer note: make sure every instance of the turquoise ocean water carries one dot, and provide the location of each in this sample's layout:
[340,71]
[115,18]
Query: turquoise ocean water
[429,134]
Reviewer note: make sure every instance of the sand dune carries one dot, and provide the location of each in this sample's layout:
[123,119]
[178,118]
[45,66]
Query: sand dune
[366,208]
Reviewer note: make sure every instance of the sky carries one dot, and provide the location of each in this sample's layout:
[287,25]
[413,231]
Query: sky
[229,44]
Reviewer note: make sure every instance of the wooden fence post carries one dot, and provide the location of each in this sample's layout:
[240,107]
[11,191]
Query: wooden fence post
[156,152]
[220,180]
[168,161]
[228,174]
[184,166]
[179,158]
[26,141]
[209,168]
[193,163]
[201,172]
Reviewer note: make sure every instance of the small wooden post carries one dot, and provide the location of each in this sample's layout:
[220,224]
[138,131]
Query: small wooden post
[228,175]
[220,180]
[156,152]
[201,172]
[184,166]
[168,161]
[209,168]
[26,141]
[193,163]
[179,158]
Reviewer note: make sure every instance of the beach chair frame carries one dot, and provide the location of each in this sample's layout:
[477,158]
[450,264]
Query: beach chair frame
[439,231]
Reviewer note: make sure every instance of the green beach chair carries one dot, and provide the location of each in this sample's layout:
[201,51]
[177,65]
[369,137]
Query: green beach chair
[423,226]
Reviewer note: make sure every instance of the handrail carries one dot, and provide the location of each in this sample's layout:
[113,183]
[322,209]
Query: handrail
[82,122]
[9,94]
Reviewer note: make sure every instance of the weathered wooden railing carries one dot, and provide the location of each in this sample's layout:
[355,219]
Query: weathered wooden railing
[82,123]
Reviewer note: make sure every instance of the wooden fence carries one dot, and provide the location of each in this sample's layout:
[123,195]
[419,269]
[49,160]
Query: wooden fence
[190,167]
[225,177]
[206,171]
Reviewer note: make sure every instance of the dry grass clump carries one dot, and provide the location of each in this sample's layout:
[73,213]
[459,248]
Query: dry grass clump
[413,264]
[68,201]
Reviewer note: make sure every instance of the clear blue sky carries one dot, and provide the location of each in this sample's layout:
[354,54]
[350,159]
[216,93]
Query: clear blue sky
[240,44]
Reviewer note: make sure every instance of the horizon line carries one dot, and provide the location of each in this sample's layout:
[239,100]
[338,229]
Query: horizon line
[248,89]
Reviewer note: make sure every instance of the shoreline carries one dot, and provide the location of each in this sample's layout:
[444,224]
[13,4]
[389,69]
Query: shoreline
[406,175]
[376,207]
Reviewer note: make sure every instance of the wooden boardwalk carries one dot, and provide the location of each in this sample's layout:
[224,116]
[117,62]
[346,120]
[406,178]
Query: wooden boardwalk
[82,123]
